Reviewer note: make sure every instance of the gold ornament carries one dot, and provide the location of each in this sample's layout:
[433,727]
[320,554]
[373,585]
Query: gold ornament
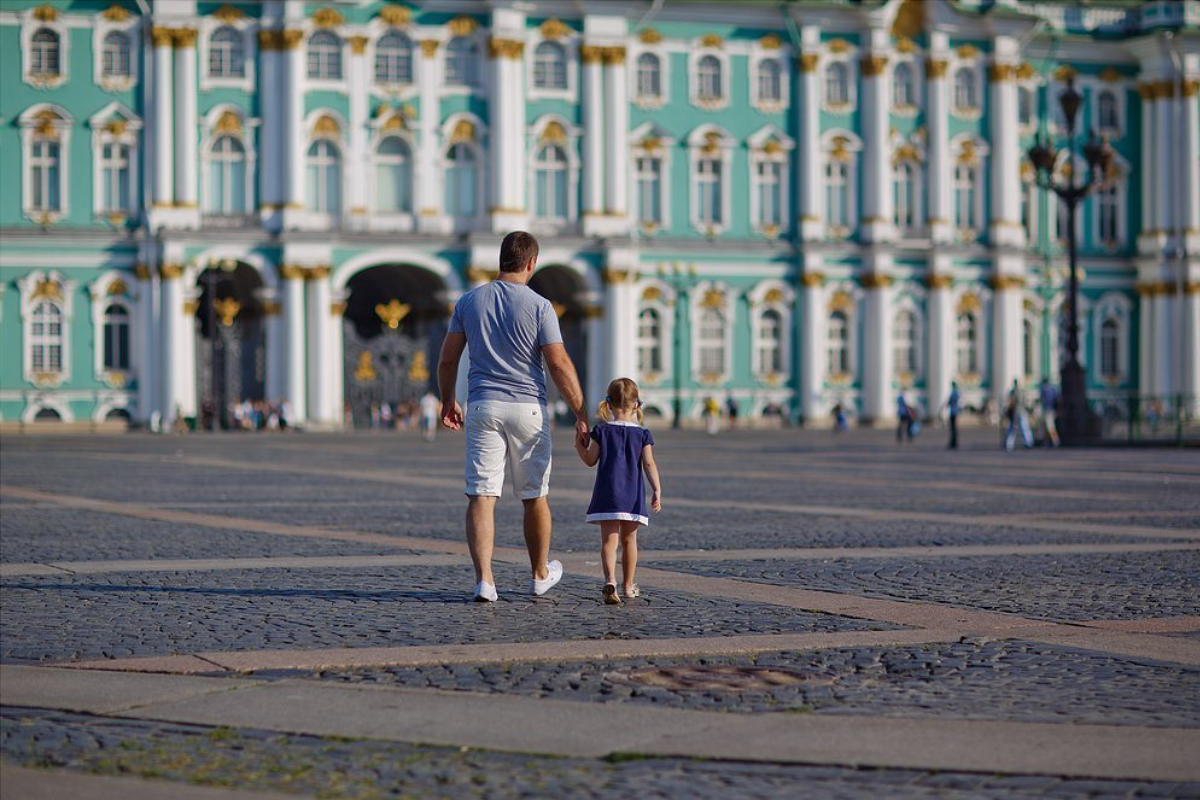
[327,18]
[462,26]
[555,29]
[650,36]
[393,313]
[396,16]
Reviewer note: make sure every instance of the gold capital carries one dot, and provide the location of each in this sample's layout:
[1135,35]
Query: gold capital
[429,47]
[613,55]
[875,280]
[591,54]
[812,280]
[616,276]
[481,274]
[808,62]
[184,38]
[317,273]
[142,271]
[873,65]
[937,281]
[1001,283]
[169,272]
[506,48]
[291,272]
[1000,73]
[290,39]
[936,68]
[161,37]
[358,44]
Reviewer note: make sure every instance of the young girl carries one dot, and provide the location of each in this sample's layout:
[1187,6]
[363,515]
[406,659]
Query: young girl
[624,449]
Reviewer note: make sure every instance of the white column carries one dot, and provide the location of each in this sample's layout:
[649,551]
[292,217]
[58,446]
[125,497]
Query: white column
[1190,307]
[508,133]
[428,197]
[356,161]
[294,338]
[620,321]
[275,385]
[293,138]
[1007,333]
[1147,165]
[939,142]
[808,163]
[337,369]
[270,161]
[186,130]
[1166,359]
[319,358]
[1191,162]
[597,380]
[593,136]
[616,134]
[147,338]
[164,119]
[1006,164]
[812,361]
[877,372]
[877,203]
[172,318]
[1167,168]
[940,370]
[1146,327]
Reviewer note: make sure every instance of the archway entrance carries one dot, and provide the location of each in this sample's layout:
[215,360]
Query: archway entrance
[230,342]
[565,289]
[394,324]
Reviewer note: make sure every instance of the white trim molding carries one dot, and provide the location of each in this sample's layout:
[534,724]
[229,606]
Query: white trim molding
[115,124]
[129,28]
[770,145]
[657,296]
[650,141]
[710,46]
[770,49]
[51,287]
[720,297]
[111,288]
[839,51]
[841,146]
[56,24]
[1118,307]
[46,122]
[705,143]
[777,297]
[556,131]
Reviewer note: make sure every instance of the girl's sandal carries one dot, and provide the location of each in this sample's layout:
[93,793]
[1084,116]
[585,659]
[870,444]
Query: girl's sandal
[610,595]
[633,591]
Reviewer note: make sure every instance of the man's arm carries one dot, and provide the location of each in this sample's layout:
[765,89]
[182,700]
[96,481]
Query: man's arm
[562,372]
[447,372]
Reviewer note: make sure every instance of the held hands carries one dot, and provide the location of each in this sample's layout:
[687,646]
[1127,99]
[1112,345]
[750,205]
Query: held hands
[452,416]
[656,501]
[582,432]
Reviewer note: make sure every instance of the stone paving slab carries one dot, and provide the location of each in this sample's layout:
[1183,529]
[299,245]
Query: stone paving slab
[1076,587]
[118,615]
[22,783]
[72,690]
[961,680]
[366,769]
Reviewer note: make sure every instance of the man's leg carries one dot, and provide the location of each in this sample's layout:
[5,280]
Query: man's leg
[538,525]
[481,535]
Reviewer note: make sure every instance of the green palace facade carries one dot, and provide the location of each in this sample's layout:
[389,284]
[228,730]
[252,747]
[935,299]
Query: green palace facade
[796,204]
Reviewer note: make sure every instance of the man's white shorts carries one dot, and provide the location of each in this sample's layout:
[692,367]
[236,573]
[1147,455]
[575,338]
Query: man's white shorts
[497,431]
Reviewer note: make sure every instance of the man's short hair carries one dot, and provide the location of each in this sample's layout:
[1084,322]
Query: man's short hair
[517,249]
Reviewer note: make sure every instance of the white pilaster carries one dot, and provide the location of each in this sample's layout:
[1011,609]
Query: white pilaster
[164,119]
[275,385]
[1167,168]
[616,134]
[356,162]
[1007,326]
[809,162]
[186,129]
[293,138]
[593,138]
[939,140]
[293,309]
[1191,164]
[336,366]
[1147,170]
[1006,225]
[877,203]
[620,320]
[597,380]
[427,199]
[270,161]
[173,318]
[1190,307]
[507,102]
[320,359]
[877,374]
[940,371]
[1166,359]
[1146,327]
[812,360]
[147,338]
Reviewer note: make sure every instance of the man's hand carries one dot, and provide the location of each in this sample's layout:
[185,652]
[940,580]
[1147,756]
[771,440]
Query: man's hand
[656,501]
[583,431]
[452,416]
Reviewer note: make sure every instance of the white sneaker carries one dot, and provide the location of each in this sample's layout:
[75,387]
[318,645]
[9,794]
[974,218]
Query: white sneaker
[485,593]
[553,576]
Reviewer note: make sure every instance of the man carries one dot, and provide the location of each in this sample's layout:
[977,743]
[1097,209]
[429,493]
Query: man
[509,329]
[1049,398]
[429,416]
[952,404]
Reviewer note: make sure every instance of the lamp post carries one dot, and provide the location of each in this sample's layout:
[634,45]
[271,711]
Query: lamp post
[677,276]
[1077,420]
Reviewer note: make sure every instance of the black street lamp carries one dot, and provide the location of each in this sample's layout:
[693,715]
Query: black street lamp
[678,278]
[1076,420]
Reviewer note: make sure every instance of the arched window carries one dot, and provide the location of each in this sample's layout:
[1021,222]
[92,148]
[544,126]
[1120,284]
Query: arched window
[461,179]
[650,357]
[902,85]
[114,57]
[904,343]
[1107,229]
[227,177]
[711,341]
[839,343]
[325,56]
[462,62]
[708,78]
[769,358]
[226,54]
[1107,111]
[837,84]
[1024,105]
[46,339]
[550,183]
[393,176]
[709,208]
[1110,348]
[324,177]
[837,194]
[1028,347]
[908,215]
[116,338]
[394,59]
[550,66]
[964,88]
[44,169]
[44,54]
[964,198]
[967,339]
[649,189]
[649,76]
[114,175]
[769,183]
[770,80]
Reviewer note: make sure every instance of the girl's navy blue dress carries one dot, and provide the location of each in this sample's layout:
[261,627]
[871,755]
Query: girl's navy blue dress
[620,491]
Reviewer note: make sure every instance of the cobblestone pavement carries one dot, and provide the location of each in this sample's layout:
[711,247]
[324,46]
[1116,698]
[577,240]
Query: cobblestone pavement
[967,680]
[1075,587]
[367,770]
[295,495]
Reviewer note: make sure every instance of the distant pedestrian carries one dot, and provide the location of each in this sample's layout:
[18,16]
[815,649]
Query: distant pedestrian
[731,408]
[429,414]
[952,408]
[904,419]
[840,425]
[1016,421]
[624,450]
[1049,399]
[712,415]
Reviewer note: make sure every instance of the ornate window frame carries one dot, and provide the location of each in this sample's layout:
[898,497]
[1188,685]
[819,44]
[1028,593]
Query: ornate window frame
[911,153]
[906,303]
[973,300]
[466,129]
[650,141]
[566,38]
[1119,173]
[328,84]
[1118,91]
[396,220]
[658,297]
[710,142]
[229,120]
[916,85]
[718,296]
[770,144]
[842,146]
[553,129]
[971,152]
[1118,307]
[243,25]
[839,51]
[966,58]
[703,47]
[111,288]
[33,20]
[112,22]
[842,298]
[769,49]
[51,122]
[37,287]
[115,124]
[776,296]
[465,29]
[325,124]
[647,101]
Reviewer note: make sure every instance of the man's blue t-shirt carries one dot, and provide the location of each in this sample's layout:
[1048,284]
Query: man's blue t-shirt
[506,324]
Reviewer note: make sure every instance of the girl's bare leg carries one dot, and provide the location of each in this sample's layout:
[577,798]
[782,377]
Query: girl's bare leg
[629,553]
[609,536]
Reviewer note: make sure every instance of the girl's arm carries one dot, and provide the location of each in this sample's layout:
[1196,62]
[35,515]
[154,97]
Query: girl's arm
[588,455]
[651,470]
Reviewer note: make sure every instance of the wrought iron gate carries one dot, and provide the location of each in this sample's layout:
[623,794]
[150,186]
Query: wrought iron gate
[392,368]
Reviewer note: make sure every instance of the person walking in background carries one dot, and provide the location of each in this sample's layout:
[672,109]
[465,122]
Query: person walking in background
[429,415]
[712,415]
[624,450]
[1049,399]
[904,419]
[1016,419]
[952,407]
[731,408]
[509,329]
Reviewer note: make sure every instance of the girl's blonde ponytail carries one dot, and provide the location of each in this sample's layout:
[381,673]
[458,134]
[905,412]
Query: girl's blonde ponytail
[604,411]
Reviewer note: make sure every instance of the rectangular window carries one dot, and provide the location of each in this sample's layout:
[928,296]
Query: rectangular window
[708,191]
[770,193]
[649,176]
